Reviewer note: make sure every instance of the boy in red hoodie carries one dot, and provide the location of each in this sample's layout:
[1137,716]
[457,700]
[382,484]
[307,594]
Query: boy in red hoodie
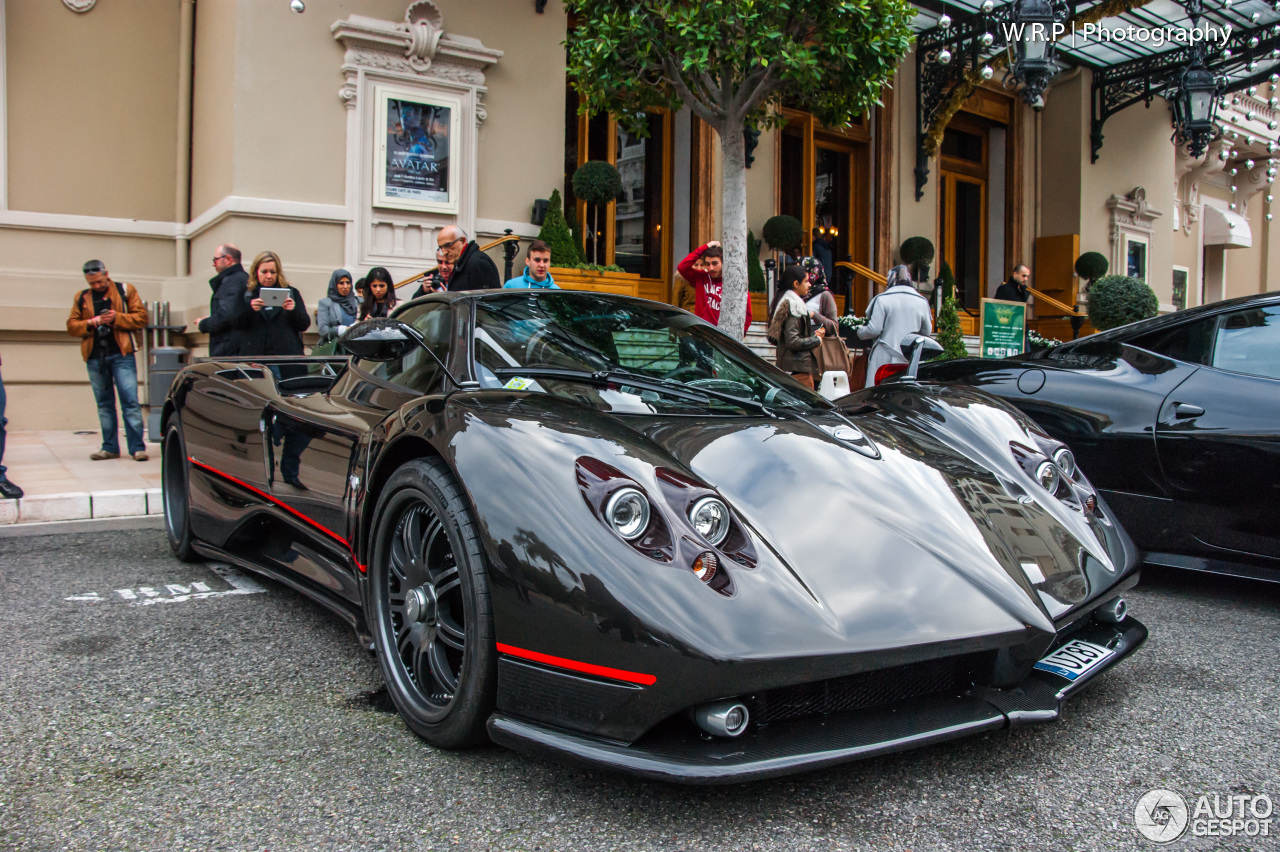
[708,282]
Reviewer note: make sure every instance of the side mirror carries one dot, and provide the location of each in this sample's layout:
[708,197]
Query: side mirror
[379,340]
[917,348]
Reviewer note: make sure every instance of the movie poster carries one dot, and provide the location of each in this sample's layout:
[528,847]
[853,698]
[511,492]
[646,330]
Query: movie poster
[415,166]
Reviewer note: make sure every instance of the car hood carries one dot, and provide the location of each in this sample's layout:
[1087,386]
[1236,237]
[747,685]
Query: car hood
[925,529]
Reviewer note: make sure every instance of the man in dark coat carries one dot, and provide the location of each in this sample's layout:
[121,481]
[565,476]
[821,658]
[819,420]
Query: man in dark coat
[1015,289]
[227,303]
[472,268]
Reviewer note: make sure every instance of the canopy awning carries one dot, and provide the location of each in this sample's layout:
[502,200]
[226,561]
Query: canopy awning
[1226,228]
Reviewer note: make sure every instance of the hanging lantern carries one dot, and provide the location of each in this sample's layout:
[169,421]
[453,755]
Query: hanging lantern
[1194,107]
[1033,53]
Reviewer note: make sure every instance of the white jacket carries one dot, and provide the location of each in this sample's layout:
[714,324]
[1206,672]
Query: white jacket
[891,316]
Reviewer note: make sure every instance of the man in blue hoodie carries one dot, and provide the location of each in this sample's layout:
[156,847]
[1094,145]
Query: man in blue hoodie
[537,270]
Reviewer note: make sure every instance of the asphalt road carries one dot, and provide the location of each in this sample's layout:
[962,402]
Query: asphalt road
[253,720]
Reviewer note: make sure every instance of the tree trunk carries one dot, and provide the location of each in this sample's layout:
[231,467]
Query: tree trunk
[733,231]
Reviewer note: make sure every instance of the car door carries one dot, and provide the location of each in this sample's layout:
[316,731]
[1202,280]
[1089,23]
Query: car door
[1218,435]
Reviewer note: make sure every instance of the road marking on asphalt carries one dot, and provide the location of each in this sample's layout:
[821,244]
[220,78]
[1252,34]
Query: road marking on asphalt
[195,590]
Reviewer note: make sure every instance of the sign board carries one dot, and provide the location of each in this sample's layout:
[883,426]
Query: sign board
[1003,329]
[415,166]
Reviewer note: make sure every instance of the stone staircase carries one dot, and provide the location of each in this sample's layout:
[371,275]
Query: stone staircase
[758,342]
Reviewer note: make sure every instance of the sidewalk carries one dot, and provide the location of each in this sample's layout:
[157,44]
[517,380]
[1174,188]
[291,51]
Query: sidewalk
[62,484]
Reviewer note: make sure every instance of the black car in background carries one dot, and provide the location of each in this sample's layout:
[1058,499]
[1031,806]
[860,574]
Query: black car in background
[1175,419]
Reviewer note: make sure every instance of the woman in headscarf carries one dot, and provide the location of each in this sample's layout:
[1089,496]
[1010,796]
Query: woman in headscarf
[820,300]
[339,310]
[892,315]
[790,323]
[379,295]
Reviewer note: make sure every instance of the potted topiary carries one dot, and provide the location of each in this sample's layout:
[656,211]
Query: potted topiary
[1116,300]
[917,253]
[1091,266]
[597,183]
[784,233]
[556,234]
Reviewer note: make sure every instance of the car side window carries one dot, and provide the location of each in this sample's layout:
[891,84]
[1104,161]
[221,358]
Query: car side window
[1248,341]
[1190,342]
[417,370]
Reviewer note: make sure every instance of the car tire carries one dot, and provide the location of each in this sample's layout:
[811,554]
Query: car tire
[176,494]
[429,607]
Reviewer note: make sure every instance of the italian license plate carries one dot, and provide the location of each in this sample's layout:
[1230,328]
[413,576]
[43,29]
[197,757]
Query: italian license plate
[1074,659]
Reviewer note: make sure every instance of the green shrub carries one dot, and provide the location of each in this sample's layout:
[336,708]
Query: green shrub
[1091,265]
[916,251]
[597,182]
[1116,300]
[755,273]
[783,233]
[948,332]
[556,234]
[948,281]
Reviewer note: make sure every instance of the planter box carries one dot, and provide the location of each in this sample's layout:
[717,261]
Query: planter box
[759,308]
[619,283]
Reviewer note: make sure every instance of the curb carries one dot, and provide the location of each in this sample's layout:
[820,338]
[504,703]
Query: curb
[81,506]
[137,522]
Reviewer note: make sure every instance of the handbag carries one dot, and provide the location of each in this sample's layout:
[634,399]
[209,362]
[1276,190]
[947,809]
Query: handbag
[831,354]
[858,369]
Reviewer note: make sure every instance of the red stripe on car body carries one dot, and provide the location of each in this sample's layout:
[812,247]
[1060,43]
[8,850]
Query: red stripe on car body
[275,502]
[574,665]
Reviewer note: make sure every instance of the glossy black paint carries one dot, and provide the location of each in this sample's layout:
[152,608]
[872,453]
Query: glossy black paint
[907,539]
[1188,455]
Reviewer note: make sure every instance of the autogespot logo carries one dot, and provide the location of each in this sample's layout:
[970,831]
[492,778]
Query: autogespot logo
[1161,815]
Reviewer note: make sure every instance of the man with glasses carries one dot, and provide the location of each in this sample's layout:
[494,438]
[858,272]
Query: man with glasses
[227,305]
[472,268]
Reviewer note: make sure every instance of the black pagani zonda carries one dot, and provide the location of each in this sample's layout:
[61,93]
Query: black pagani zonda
[594,527]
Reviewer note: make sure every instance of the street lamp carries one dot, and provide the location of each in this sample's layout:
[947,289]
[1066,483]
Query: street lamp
[1033,51]
[1195,105]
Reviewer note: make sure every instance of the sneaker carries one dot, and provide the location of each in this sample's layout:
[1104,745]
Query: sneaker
[140,455]
[8,490]
[102,455]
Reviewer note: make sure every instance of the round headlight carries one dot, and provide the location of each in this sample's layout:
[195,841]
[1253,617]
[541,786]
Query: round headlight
[711,519]
[628,513]
[1047,476]
[1066,461]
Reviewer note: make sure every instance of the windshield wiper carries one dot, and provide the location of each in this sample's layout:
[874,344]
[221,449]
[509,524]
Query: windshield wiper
[714,394]
[623,377]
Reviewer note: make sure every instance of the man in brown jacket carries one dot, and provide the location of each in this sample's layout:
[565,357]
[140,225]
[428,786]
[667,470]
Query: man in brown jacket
[104,316]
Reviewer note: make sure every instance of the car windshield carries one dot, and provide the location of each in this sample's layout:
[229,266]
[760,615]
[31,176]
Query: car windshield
[625,356]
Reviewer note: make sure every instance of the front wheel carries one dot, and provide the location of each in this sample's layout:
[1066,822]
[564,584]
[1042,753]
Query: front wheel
[429,607]
[177,493]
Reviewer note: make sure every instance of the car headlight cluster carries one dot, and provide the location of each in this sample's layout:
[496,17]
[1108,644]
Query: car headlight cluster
[710,518]
[628,513]
[1066,462]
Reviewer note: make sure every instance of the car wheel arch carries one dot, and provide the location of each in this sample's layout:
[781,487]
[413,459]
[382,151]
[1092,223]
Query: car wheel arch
[394,456]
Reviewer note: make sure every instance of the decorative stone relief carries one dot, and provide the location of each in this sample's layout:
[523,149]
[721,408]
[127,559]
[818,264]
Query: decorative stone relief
[1131,216]
[416,55]
[1189,172]
[79,5]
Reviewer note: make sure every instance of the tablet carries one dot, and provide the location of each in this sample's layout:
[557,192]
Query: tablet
[274,297]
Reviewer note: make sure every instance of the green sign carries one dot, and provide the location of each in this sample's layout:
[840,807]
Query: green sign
[1003,326]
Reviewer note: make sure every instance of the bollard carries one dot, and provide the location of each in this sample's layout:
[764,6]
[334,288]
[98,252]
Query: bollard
[164,364]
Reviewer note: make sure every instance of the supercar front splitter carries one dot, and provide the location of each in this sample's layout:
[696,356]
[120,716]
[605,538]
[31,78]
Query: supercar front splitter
[679,754]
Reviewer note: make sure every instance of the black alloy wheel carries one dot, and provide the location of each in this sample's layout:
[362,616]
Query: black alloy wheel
[429,607]
[177,493]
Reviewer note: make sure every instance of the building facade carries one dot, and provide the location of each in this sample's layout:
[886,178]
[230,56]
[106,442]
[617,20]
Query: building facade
[147,132]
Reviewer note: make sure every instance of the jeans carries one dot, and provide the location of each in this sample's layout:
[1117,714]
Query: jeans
[4,421]
[117,375]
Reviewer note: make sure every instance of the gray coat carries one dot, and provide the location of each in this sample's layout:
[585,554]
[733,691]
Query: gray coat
[891,316]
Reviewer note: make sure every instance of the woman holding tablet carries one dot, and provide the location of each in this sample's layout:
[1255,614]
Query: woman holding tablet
[277,315]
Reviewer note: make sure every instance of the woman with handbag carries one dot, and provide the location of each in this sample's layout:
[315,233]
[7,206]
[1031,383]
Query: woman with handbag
[791,324]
